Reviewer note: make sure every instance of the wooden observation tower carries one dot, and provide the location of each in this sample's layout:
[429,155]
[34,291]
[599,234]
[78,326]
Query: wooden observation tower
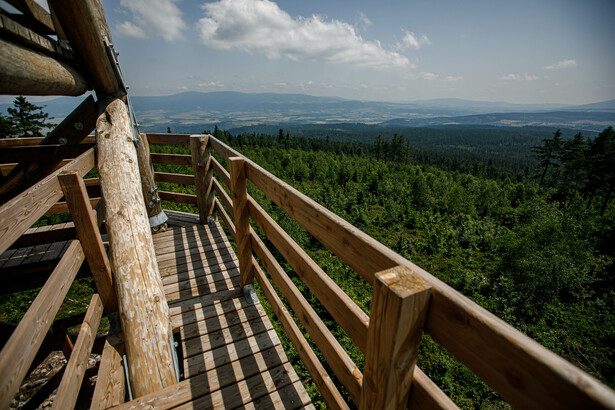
[186,328]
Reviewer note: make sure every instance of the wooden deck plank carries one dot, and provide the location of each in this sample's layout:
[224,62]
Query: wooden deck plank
[247,390]
[231,353]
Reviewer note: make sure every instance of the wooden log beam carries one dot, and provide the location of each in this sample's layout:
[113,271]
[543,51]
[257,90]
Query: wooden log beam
[155,214]
[242,219]
[27,72]
[72,130]
[29,141]
[203,175]
[86,225]
[85,25]
[399,308]
[20,350]
[110,386]
[67,393]
[144,312]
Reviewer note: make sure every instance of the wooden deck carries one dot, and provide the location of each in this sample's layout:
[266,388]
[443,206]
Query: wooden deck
[231,355]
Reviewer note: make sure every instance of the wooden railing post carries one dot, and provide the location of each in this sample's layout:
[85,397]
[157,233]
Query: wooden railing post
[156,216]
[86,226]
[203,175]
[399,308]
[242,222]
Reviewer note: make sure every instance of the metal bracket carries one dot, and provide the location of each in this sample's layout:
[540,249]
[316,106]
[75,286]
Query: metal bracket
[175,358]
[157,220]
[125,360]
[112,54]
[250,294]
[211,221]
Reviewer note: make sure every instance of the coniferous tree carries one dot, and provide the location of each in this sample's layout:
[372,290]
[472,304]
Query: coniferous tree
[546,153]
[24,120]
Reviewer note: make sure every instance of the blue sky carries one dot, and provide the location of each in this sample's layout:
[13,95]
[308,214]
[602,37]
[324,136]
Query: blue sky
[517,51]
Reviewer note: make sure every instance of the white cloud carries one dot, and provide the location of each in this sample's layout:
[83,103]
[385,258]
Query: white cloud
[152,18]
[562,64]
[453,79]
[519,77]
[260,26]
[428,76]
[411,40]
[211,84]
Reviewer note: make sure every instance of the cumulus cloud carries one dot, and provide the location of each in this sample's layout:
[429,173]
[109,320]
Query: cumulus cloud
[152,18]
[211,84]
[562,64]
[411,40]
[260,26]
[519,77]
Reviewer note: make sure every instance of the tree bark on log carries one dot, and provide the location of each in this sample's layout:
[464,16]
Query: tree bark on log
[144,312]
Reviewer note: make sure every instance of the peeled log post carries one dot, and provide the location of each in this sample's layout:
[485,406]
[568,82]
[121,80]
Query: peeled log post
[156,215]
[144,312]
[23,71]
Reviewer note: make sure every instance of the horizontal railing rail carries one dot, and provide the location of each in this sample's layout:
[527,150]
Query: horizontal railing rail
[523,372]
[21,353]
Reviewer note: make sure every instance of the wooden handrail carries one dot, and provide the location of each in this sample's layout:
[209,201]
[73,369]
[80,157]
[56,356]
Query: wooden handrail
[488,346]
[171,159]
[343,366]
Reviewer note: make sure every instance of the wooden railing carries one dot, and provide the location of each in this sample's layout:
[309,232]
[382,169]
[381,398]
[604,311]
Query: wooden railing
[21,352]
[406,301]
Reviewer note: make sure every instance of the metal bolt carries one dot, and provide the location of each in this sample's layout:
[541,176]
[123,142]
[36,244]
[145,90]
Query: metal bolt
[63,140]
[78,126]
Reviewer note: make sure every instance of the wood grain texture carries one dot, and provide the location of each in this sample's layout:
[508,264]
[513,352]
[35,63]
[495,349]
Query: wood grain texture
[171,159]
[110,386]
[399,307]
[85,25]
[242,220]
[144,312]
[522,371]
[20,350]
[221,172]
[148,184]
[24,71]
[203,175]
[84,218]
[323,381]
[18,214]
[67,393]
[342,365]
[425,395]
[345,312]
[168,139]
[174,178]
[36,12]
[177,197]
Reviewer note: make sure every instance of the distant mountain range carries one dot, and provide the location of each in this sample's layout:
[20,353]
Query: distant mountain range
[195,112]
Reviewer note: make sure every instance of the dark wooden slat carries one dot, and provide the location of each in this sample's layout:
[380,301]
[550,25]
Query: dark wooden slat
[40,153]
[67,393]
[171,159]
[17,215]
[74,129]
[168,139]
[177,197]
[20,350]
[36,13]
[174,178]
[24,36]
